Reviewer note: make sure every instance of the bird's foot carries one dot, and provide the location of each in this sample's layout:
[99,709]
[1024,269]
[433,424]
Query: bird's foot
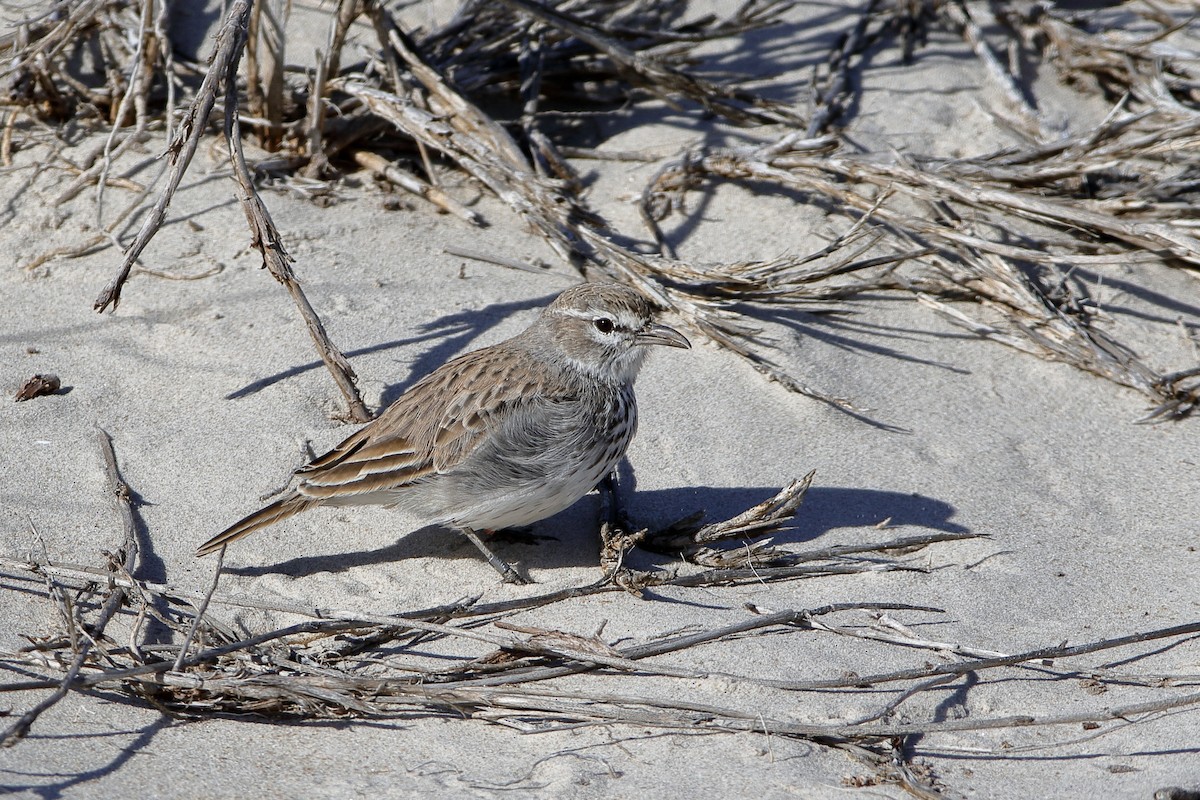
[507,573]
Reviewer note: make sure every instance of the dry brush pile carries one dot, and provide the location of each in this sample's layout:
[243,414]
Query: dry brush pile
[991,242]
[469,660]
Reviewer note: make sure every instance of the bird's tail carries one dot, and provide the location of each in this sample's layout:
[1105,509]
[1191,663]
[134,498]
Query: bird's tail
[279,510]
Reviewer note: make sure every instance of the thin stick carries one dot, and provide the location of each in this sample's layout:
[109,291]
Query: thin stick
[126,556]
[203,607]
[829,103]
[411,183]
[85,575]
[492,703]
[658,77]
[266,239]
[272,21]
[183,146]
[507,263]
[135,86]
[1026,116]
[974,665]
[317,160]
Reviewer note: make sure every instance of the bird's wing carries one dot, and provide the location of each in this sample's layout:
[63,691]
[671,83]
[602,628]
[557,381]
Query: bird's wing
[498,391]
[432,428]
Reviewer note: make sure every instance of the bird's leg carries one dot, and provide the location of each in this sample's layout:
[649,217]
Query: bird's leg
[500,565]
[617,538]
[610,512]
[612,506]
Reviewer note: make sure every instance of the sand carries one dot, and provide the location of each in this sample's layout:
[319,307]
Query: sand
[210,388]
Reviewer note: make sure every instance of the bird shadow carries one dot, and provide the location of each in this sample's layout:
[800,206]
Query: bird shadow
[570,539]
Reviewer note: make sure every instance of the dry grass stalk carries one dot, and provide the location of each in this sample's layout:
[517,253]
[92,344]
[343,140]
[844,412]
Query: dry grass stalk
[267,240]
[658,76]
[257,675]
[355,663]
[120,563]
[1073,202]
[272,17]
[459,130]
[230,44]
[527,658]
[277,673]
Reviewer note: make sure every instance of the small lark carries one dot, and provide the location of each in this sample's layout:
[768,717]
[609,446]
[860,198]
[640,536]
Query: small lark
[499,437]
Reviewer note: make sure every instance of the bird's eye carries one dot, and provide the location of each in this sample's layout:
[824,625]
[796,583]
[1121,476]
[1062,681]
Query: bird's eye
[604,324]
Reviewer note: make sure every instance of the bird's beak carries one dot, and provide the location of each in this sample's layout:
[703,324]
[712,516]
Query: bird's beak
[661,334]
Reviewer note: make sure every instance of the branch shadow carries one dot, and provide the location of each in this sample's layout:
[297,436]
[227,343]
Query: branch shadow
[150,567]
[954,705]
[845,331]
[68,781]
[1173,308]
[452,332]
[455,332]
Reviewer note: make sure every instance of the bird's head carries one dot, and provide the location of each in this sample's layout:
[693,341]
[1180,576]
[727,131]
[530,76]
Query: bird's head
[604,330]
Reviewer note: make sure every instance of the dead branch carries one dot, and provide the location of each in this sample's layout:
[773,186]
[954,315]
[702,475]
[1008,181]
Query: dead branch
[266,239]
[183,146]
[123,560]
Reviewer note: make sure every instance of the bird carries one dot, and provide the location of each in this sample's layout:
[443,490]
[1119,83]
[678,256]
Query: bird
[499,437]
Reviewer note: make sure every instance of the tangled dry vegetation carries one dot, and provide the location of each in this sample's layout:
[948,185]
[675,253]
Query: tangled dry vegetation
[990,242]
[346,663]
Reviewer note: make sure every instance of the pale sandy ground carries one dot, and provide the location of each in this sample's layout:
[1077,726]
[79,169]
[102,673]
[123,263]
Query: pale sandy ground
[1091,519]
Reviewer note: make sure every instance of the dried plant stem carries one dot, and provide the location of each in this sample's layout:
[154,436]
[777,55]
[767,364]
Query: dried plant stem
[975,665]
[1026,118]
[1030,204]
[411,183]
[250,674]
[327,66]
[658,77]
[200,611]
[482,148]
[1148,236]
[494,704]
[272,16]
[230,43]
[184,145]
[969,265]
[829,102]
[318,162]
[81,575]
[123,560]
[266,239]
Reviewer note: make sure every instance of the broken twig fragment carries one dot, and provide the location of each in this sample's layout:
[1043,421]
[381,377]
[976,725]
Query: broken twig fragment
[38,386]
